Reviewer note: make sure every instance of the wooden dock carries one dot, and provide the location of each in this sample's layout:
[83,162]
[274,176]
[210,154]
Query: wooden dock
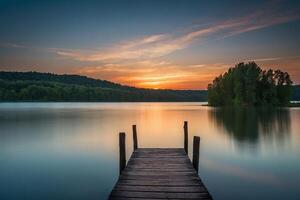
[159,173]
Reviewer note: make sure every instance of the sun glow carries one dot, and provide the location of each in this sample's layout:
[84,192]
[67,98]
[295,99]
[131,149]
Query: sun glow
[157,74]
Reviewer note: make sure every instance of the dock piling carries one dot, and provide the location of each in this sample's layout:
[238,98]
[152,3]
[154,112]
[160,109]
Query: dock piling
[185,128]
[122,151]
[196,147]
[135,141]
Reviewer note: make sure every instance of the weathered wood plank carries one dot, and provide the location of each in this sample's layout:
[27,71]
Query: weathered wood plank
[162,179]
[158,155]
[190,189]
[161,161]
[162,150]
[149,173]
[165,159]
[157,167]
[180,165]
[160,182]
[129,169]
[175,195]
[135,198]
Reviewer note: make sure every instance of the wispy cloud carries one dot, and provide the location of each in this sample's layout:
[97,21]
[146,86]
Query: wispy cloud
[13,45]
[159,45]
[271,58]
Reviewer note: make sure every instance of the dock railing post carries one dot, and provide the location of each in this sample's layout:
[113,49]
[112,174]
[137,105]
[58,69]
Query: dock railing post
[135,141]
[185,128]
[122,151]
[196,147]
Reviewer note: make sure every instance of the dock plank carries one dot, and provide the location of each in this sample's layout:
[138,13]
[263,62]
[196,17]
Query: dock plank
[159,173]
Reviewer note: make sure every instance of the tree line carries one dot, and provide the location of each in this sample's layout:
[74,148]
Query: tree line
[235,87]
[34,86]
[248,84]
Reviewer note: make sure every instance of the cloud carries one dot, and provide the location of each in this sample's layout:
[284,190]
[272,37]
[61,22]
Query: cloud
[159,45]
[272,58]
[12,45]
[145,40]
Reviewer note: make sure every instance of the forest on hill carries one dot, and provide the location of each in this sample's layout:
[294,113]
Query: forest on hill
[248,84]
[35,86]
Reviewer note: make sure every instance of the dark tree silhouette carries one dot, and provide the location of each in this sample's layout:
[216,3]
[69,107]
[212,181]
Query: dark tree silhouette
[248,84]
[34,86]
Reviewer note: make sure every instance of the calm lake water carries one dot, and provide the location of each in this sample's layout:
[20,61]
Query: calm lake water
[70,150]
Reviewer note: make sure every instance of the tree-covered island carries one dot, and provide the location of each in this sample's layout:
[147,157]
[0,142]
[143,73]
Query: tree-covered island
[247,84]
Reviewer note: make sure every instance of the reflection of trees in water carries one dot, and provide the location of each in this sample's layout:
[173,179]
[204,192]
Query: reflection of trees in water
[248,124]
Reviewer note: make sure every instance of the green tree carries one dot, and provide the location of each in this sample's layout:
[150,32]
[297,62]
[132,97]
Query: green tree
[248,84]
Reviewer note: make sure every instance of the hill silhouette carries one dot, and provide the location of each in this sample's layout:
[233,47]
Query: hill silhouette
[36,86]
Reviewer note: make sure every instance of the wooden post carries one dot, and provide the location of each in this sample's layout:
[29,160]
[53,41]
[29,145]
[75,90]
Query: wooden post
[196,147]
[186,140]
[135,141]
[122,151]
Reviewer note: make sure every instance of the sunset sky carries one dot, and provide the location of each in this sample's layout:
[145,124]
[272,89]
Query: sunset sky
[153,44]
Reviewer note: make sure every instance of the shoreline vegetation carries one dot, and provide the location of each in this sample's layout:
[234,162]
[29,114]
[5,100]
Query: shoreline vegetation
[294,105]
[47,87]
[246,84]
[290,105]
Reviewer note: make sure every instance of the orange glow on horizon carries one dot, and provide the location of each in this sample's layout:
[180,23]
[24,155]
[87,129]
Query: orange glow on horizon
[157,76]
[164,75]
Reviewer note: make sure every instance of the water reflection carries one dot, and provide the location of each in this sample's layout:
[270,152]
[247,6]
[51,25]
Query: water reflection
[70,150]
[249,124]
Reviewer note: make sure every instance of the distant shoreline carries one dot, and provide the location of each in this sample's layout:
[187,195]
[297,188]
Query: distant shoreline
[291,105]
[200,102]
[43,87]
[46,87]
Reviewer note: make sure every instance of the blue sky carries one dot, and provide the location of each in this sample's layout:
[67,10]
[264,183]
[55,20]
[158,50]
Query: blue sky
[155,44]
